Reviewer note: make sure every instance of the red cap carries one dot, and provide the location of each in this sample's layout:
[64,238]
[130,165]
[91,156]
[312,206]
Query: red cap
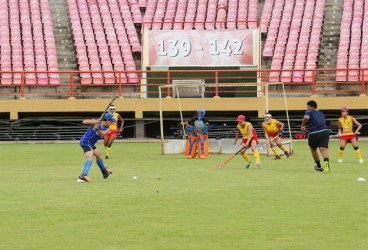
[344,109]
[241,118]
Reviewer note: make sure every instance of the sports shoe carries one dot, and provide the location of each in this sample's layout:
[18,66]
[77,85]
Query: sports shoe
[326,168]
[248,164]
[277,157]
[361,161]
[106,157]
[202,157]
[258,164]
[318,169]
[84,178]
[107,173]
[339,160]
[189,156]
[287,154]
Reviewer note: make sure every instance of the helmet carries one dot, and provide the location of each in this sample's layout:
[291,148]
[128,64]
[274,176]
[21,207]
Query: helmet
[200,110]
[267,117]
[241,118]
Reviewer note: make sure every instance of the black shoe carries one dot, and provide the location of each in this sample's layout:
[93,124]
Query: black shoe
[106,157]
[319,169]
[287,154]
[107,172]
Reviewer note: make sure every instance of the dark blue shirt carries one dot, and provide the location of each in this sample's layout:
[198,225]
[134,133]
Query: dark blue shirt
[317,120]
[91,136]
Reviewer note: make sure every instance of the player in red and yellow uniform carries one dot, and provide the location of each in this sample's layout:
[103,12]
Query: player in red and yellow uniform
[273,128]
[347,134]
[250,140]
[110,137]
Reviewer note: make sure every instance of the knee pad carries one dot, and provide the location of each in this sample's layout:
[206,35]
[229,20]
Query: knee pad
[342,148]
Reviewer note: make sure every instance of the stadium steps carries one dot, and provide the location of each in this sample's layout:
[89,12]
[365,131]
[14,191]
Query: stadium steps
[62,31]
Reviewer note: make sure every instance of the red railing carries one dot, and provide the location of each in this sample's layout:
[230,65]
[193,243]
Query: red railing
[321,81]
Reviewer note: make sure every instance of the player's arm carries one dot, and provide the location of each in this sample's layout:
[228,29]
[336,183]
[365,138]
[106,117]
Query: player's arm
[236,136]
[304,122]
[99,131]
[340,128]
[121,122]
[280,125]
[90,122]
[357,124]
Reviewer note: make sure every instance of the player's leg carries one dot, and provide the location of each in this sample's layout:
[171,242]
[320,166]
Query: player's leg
[313,145]
[281,146]
[105,171]
[110,141]
[273,148]
[343,143]
[202,146]
[244,154]
[357,150]
[88,152]
[257,157]
[191,147]
[106,143]
[324,138]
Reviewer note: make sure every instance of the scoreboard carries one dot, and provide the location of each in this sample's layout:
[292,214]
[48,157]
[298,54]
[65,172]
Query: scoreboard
[200,48]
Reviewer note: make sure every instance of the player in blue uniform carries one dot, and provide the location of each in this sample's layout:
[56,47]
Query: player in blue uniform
[95,130]
[318,136]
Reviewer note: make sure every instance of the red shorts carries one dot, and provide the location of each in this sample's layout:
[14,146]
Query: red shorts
[111,134]
[254,138]
[348,137]
[273,135]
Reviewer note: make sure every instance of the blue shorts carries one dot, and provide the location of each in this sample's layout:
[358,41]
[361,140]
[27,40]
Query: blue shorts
[88,148]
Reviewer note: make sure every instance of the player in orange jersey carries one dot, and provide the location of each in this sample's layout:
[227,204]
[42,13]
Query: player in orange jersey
[110,137]
[347,134]
[273,128]
[250,140]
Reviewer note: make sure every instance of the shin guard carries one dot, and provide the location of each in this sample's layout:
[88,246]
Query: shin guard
[203,146]
[191,147]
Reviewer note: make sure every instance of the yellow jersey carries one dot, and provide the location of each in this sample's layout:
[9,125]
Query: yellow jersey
[114,125]
[271,127]
[346,124]
[244,130]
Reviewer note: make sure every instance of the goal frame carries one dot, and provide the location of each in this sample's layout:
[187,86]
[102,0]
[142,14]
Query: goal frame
[259,85]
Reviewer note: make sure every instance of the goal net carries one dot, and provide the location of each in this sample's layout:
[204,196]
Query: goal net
[174,101]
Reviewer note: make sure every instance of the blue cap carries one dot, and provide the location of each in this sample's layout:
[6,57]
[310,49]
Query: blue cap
[109,117]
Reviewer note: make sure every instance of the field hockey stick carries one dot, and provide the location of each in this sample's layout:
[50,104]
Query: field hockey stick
[112,101]
[230,158]
[268,143]
[339,135]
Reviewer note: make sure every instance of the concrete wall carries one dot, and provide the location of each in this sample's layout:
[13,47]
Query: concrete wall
[139,106]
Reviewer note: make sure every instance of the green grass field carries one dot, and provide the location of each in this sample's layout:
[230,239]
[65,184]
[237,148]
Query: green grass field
[177,203]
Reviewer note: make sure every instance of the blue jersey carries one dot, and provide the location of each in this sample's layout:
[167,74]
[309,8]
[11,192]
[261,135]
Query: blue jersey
[316,122]
[91,136]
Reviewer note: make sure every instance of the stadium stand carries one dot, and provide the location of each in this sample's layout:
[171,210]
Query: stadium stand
[293,37]
[101,41]
[27,43]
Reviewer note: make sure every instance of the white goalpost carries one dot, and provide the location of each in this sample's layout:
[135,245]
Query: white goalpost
[172,146]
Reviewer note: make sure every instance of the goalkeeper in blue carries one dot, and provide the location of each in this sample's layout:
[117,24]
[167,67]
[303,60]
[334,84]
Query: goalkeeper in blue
[273,130]
[197,129]
[95,130]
